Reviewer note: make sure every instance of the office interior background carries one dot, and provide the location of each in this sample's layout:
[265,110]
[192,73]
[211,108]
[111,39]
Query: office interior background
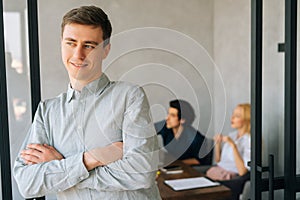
[216,32]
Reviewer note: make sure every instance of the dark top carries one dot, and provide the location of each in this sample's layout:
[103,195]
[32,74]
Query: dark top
[186,146]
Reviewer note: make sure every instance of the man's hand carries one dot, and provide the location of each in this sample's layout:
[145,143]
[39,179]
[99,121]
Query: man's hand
[39,153]
[103,155]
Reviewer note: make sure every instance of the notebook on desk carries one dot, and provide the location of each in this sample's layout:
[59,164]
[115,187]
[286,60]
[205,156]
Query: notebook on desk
[190,183]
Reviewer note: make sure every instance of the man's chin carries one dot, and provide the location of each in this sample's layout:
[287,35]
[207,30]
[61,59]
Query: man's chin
[168,126]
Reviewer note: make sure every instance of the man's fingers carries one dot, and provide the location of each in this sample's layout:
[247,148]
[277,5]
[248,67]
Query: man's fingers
[29,158]
[32,152]
[29,162]
[38,147]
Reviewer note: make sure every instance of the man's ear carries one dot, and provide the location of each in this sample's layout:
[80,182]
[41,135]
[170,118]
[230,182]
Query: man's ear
[182,121]
[106,51]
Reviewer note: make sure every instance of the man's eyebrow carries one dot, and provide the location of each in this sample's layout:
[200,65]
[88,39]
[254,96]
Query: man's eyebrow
[85,42]
[70,39]
[91,42]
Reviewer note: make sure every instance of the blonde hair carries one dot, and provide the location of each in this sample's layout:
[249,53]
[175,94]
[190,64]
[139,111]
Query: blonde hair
[246,116]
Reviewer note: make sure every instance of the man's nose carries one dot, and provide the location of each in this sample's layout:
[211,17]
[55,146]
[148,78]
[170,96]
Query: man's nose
[79,53]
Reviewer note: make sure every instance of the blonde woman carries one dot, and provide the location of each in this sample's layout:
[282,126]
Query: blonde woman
[232,159]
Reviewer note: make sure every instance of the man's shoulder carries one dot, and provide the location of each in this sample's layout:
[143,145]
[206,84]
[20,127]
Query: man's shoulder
[55,100]
[191,129]
[193,134]
[124,85]
[127,88]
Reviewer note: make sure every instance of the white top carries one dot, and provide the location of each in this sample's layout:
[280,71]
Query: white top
[244,147]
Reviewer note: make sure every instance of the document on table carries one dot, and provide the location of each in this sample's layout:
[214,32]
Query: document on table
[190,183]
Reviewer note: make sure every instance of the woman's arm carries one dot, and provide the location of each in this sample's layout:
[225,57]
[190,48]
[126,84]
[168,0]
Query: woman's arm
[239,162]
[218,141]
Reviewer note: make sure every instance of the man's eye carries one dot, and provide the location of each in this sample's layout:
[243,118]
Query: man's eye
[70,44]
[89,46]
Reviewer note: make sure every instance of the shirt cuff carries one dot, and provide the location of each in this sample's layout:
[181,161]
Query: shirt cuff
[76,169]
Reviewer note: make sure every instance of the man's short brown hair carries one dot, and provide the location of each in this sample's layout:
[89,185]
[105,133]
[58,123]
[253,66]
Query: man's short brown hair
[89,15]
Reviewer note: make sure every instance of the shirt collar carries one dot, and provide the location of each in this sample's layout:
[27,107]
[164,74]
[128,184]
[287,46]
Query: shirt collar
[95,87]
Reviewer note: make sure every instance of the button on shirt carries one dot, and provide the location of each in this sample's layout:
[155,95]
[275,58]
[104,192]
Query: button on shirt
[244,147]
[74,122]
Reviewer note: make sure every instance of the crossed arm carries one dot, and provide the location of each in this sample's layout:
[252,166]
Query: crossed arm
[40,169]
[40,153]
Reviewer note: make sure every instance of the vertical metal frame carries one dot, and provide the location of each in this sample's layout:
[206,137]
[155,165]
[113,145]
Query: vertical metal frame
[256,97]
[33,34]
[290,101]
[35,80]
[4,132]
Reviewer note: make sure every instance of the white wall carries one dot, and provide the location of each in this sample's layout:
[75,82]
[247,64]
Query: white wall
[231,38]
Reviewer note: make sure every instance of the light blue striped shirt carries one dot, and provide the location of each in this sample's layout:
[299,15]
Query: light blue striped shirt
[75,122]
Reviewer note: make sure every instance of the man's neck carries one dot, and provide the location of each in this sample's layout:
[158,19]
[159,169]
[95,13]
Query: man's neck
[177,131]
[78,85]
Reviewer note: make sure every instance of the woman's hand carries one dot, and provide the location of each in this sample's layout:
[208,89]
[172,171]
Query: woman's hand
[218,138]
[228,140]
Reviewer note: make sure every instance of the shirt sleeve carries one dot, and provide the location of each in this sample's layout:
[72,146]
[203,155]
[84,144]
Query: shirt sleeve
[137,168]
[49,177]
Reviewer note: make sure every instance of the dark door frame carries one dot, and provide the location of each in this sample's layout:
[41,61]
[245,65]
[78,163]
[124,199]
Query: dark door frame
[290,181]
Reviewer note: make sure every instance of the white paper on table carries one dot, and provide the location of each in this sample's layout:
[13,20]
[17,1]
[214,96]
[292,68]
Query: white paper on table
[190,183]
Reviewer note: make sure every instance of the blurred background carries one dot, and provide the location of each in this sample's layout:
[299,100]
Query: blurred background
[197,50]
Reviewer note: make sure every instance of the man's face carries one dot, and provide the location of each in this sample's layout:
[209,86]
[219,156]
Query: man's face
[83,52]
[172,120]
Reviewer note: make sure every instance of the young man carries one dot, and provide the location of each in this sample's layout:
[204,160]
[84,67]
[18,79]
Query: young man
[72,146]
[180,139]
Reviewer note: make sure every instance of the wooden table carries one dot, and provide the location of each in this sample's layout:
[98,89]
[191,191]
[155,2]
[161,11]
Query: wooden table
[210,193]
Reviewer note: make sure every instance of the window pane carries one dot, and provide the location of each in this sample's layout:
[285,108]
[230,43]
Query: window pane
[19,111]
[273,85]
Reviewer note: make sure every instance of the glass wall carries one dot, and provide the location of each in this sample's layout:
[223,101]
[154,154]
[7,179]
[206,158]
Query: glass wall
[273,85]
[16,52]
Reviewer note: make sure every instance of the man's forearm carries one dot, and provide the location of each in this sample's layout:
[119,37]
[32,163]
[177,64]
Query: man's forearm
[103,155]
